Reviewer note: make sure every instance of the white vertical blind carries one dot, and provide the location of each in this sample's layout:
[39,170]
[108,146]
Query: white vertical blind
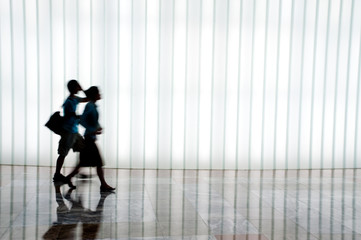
[201,84]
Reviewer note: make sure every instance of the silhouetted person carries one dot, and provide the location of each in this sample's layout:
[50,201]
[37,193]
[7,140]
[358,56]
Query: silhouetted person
[70,138]
[90,156]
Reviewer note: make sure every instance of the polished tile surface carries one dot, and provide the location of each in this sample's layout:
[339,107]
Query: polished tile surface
[177,204]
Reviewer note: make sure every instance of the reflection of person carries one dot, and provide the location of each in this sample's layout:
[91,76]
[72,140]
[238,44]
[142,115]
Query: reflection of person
[68,218]
[91,219]
[89,155]
[70,138]
[64,227]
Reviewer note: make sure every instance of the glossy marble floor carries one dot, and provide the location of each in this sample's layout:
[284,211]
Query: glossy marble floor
[164,204]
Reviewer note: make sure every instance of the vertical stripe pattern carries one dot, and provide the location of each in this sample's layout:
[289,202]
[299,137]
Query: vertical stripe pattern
[185,84]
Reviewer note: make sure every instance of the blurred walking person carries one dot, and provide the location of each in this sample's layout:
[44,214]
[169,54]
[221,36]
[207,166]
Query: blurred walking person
[89,155]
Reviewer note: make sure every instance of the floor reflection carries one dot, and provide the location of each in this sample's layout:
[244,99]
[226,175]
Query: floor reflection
[68,218]
[177,204]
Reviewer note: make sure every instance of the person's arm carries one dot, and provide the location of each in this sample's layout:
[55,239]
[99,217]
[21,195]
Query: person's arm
[81,100]
[84,99]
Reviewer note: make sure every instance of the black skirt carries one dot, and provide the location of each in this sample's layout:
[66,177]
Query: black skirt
[90,156]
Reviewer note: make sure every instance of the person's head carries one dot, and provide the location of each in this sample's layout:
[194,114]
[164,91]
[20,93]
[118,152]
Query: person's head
[92,93]
[74,86]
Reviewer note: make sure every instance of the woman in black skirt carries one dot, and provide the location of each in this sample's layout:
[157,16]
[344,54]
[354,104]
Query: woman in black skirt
[90,156]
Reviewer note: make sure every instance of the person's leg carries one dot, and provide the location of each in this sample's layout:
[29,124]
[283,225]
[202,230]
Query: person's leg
[82,154]
[74,172]
[59,164]
[80,146]
[93,154]
[77,167]
[58,177]
[67,179]
[65,143]
[101,177]
[104,185]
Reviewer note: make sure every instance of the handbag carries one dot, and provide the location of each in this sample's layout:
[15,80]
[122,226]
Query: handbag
[55,123]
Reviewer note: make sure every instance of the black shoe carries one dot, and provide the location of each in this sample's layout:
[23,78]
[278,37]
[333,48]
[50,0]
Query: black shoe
[107,189]
[59,178]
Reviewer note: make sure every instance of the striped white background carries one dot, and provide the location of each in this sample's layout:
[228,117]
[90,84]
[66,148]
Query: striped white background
[208,84]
